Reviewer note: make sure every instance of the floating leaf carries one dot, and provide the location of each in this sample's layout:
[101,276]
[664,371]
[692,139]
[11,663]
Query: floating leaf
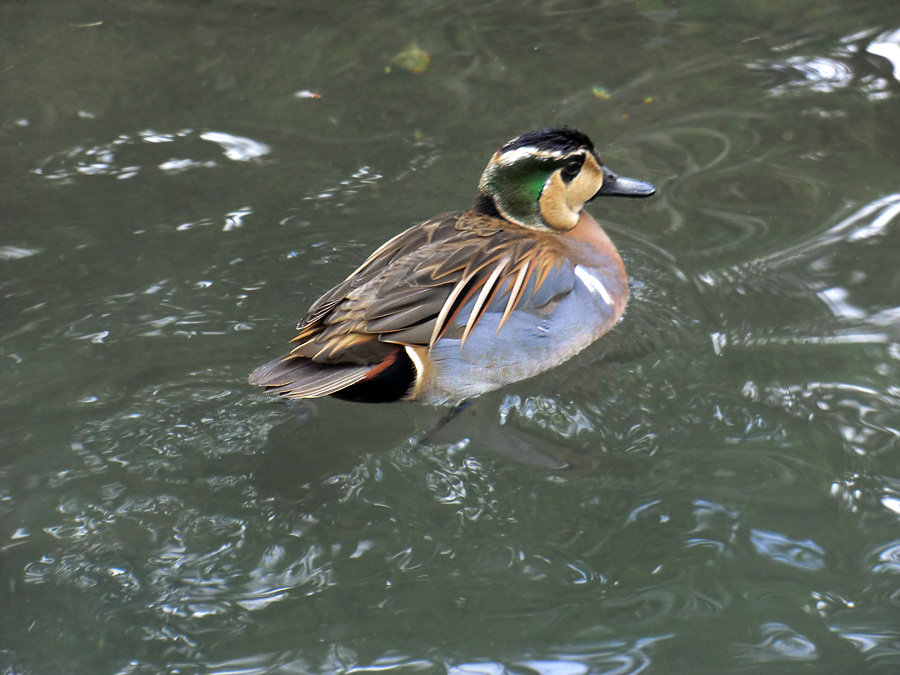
[413,58]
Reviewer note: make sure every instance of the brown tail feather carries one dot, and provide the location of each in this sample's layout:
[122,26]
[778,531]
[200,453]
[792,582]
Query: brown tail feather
[293,377]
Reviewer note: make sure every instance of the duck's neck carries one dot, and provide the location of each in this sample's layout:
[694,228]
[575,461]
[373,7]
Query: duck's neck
[600,253]
[589,231]
[484,204]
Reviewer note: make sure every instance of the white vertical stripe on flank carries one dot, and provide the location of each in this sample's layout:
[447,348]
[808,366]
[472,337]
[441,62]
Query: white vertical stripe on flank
[594,285]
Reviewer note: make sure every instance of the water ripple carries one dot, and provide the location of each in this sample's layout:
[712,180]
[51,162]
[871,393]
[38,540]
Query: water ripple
[129,154]
[871,220]
[780,643]
[811,73]
[805,554]
[887,46]
[839,70]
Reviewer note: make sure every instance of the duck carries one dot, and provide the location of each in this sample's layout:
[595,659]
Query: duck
[468,302]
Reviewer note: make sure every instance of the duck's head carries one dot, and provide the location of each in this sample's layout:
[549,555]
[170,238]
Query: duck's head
[542,179]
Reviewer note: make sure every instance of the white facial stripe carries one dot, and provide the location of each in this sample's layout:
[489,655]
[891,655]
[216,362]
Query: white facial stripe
[593,284]
[512,156]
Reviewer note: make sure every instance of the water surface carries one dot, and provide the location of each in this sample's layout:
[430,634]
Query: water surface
[714,489]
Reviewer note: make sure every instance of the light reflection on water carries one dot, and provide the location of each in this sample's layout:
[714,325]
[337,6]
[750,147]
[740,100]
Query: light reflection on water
[839,70]
[105,159]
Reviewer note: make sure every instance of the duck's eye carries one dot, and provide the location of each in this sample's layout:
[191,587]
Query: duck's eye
[571,169]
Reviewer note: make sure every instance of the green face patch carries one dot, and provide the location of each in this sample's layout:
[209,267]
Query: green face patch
[517,187]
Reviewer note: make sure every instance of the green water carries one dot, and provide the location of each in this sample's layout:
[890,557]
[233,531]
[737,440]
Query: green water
[173,198]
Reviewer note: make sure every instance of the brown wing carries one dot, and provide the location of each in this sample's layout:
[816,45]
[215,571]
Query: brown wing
[410,292]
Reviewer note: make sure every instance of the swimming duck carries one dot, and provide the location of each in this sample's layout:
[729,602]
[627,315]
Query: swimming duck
[465,303]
